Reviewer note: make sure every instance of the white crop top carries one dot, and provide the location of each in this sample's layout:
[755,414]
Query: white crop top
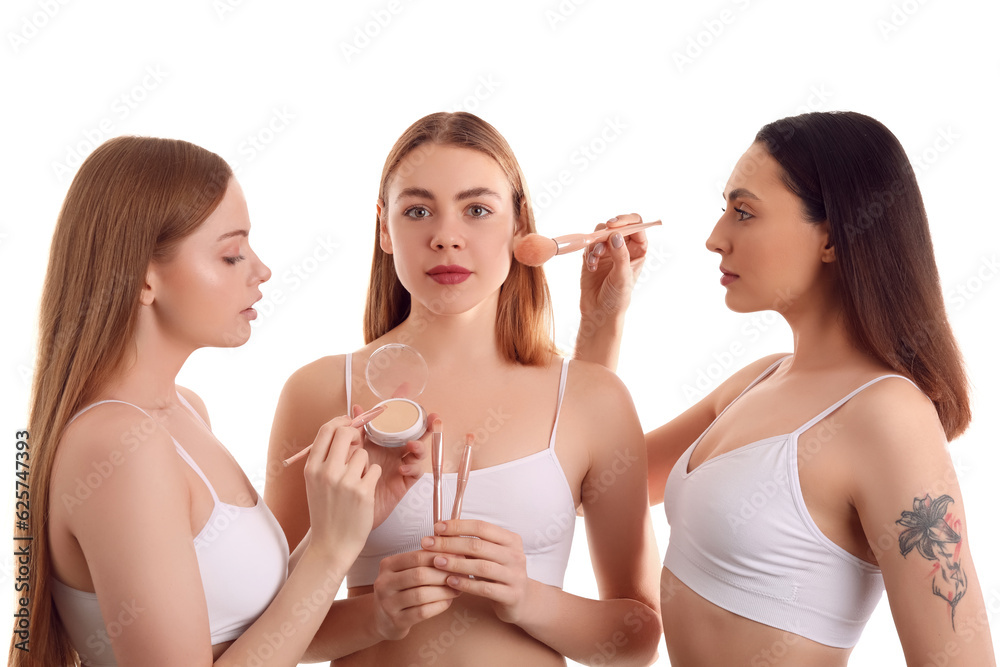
[243,558]
[529,496]
[742,538]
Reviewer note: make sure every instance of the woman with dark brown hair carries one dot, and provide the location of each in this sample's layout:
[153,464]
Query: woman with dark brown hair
[806,484]
[485,588]
[149,546]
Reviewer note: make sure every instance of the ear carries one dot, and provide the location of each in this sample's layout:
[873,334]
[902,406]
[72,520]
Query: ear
[148,293]
[384,240]
[828,253]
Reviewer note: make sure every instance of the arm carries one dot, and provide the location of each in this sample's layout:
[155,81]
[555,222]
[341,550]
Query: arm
[150,567]
[908,499]
[625,621]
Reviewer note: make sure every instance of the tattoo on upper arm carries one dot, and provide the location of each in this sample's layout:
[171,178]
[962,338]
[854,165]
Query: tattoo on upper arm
[937,537]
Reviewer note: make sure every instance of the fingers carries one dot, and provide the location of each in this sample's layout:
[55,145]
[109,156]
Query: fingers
[622,220]
[474,539]
[616,243]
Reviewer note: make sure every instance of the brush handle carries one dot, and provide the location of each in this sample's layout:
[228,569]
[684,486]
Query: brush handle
[574,242]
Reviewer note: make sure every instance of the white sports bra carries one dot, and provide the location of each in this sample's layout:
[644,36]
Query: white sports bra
[242,555]
[742,538]
[529,496]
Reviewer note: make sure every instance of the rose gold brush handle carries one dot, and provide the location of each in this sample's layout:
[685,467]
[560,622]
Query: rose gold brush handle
[463,477]
[574,242]
[437,454]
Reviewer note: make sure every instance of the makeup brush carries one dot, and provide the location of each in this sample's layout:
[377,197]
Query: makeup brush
[437,454]
[463,476]
[535,249]
[358,422]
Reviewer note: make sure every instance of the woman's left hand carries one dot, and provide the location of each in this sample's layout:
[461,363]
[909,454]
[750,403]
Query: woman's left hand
[494,556]
[400,470]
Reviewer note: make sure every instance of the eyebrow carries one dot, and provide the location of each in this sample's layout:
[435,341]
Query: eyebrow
[464,194]
[741,193]
[235,232]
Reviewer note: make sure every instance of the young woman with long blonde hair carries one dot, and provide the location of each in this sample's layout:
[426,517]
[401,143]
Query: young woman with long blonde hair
[149,546]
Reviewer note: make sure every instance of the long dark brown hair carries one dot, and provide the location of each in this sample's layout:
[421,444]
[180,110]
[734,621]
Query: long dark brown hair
[132,202]
[850,171]
[524,312]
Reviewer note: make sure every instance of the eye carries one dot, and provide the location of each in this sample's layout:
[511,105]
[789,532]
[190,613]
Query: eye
[234,260]
[742,215]
[478,211]
[416,212]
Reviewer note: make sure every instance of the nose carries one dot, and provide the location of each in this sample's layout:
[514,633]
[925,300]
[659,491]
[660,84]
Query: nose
[448,233]
[716,241]
[261,273]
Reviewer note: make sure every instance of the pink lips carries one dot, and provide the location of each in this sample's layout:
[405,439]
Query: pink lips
[250,313]
[451,274]
[727,276]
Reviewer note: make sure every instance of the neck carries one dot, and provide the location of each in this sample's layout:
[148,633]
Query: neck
[462,340]
[150,375]
[820,334]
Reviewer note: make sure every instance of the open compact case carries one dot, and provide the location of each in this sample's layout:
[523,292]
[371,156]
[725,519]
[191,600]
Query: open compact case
[397,374]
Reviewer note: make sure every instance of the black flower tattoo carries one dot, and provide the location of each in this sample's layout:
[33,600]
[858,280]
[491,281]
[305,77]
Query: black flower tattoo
[928,530]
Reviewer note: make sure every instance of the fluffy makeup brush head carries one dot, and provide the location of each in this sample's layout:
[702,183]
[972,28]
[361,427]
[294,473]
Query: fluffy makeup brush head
[535,250]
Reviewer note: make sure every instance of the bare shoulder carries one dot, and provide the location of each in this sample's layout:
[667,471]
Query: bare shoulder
[889,421]
[598,408]
[731,387]
[593,386]
[115,450]
[196,403]
[317,385]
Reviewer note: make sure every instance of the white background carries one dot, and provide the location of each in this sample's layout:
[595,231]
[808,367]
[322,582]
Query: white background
[677,89]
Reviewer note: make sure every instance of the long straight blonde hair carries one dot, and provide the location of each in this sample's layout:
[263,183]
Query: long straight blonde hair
[132,201]
[524,313]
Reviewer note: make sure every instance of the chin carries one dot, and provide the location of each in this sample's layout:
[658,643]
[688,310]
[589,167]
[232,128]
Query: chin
[236,337]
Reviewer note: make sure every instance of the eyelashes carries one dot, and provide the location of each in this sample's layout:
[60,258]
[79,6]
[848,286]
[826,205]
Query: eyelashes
[234,260]
[476,211]
[741,215]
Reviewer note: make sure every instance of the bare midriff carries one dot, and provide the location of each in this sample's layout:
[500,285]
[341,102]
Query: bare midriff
[701,634]
[468,633]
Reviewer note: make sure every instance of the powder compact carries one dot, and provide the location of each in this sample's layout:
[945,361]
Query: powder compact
[397,374]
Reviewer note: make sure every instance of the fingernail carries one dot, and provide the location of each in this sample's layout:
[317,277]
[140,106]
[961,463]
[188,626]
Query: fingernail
[439,527]
[614,219]
[440,561]
[452,581]
[617,240]
[427,542]
[600,248]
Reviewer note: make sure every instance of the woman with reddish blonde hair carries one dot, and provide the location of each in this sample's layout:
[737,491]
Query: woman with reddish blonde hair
[484,589]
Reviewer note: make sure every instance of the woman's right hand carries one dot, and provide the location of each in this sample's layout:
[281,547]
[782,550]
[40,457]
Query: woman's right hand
[408,590]
[340,489]
[610,271]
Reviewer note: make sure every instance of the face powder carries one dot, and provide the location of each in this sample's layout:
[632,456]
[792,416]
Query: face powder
[397,371]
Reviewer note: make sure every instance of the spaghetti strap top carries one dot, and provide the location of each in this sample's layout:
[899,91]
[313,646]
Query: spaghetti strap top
[529,496]
[242,557]
[742,538]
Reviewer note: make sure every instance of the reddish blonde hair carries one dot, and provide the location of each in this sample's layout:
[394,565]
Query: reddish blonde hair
[524,313]
[132,201]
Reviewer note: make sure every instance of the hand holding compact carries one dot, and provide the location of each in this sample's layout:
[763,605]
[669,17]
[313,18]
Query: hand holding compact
[401,469]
